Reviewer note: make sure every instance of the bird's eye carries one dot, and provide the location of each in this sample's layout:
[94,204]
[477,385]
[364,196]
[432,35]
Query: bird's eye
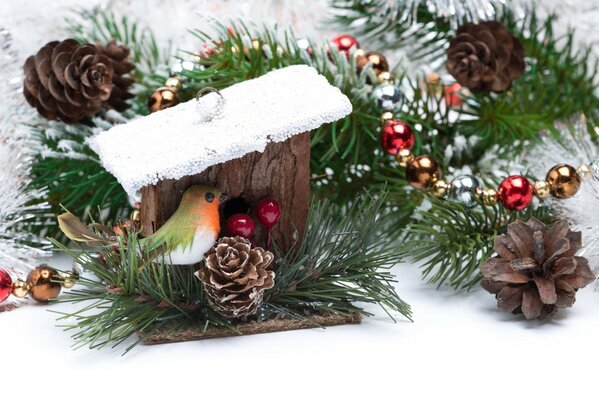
[209,197]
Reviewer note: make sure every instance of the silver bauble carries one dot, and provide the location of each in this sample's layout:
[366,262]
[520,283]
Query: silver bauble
[464,189]
[387,97]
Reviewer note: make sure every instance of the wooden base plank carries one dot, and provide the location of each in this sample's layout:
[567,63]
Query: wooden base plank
[250,328]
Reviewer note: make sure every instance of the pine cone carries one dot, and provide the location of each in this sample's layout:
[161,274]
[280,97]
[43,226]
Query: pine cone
[485,57]
[536,271]
[69,81]
[235,276]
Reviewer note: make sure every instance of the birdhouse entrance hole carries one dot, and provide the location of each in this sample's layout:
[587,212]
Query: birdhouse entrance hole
[235,205]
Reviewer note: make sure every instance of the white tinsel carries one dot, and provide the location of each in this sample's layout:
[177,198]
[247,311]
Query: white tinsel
[575,148]
[19,250]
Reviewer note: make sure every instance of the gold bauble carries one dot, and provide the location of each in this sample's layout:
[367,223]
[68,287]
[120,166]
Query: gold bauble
[385,77]
[404,156]
[440,188]
[68,280]
[541,189]
[173,82]
[163,97]
[20,288]
[563,181]
[422,172]
[44,283]
[386,116]
[377,61]
[489,197]
[585,172]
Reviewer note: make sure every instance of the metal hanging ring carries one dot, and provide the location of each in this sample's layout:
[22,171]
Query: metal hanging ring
[209,114]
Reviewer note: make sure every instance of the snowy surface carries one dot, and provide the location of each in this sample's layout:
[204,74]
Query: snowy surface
[179,141]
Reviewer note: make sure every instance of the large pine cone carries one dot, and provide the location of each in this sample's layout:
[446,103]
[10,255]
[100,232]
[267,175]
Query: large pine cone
[485,57]
[69,81]
[536,271]
[235,276]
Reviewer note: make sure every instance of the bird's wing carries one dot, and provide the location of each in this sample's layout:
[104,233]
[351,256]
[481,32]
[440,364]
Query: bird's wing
[179,230]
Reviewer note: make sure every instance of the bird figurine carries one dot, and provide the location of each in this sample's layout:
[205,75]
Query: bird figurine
[191,231]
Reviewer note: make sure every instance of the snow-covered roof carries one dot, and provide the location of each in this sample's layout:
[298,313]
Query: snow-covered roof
[177,141]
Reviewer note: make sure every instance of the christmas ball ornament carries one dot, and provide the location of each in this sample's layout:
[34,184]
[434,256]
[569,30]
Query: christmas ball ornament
[464,189]
[515,192]
[439,188]
[5,285]
[44,283]
[386,116]
[20,288]
[489,197]
[384,77]
[344,43]
[422,172]
[377,61]
[404,156]
[585,172]
[163,97]
[396,135]
[240,225]
[563,181]
[387,97]
[268,212]
[541,189]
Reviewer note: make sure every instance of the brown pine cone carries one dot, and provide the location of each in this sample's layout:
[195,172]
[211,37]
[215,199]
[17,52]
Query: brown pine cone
[235,276]
[69,81]
[536,271]
[485,57]
[119,55]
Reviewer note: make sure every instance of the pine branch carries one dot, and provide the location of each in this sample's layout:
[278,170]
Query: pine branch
[450,242]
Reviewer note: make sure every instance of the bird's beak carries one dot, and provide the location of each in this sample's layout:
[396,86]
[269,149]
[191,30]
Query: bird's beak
[223,197]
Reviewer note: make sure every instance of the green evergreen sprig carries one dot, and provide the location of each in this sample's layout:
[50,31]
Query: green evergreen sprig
[342,263]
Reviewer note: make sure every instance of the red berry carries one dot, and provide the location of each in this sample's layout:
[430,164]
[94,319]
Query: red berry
[268,212]
[240,225]
[344,43]
[452,95]
[396,135]
[5,285]
[515,192]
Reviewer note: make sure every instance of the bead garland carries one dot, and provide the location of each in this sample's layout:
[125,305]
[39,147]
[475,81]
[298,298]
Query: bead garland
[43,284]
[424,173]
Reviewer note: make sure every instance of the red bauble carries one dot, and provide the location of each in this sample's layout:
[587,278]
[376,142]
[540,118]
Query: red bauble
[268,211]
[5,285]
[240,225]
[395,136]
[515,192]
[452,95]
[344,43]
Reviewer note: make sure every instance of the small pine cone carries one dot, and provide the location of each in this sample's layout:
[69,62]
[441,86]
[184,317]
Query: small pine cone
[69,81]
[235,276]
[485,57]
[535,271]
[119,55]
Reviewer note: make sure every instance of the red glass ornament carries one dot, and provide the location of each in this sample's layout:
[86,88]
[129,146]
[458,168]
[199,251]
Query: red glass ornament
[344,43]
[395,136]
[268,211]
[515,192]
[5,285]
[452,95]
[240,225]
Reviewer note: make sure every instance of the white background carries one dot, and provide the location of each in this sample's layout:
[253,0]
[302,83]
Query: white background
[459,347]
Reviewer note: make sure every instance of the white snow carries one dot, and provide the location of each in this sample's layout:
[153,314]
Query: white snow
[176,142]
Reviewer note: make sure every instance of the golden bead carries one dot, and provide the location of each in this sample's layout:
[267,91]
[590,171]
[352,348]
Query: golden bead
[422,172]
[136,216]
[404,156]
[585,172]
[20,288]
[68,280]
[541,189]
[44,283]
[162,98]
[384,77]
[173,82]
[489,197]
[386,116]
[440,188]
[377,61]
[563,181]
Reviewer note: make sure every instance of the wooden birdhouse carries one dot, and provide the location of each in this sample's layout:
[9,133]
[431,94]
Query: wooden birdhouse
[250,141]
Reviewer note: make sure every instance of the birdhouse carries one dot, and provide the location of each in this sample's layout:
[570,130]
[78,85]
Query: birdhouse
[251,141]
